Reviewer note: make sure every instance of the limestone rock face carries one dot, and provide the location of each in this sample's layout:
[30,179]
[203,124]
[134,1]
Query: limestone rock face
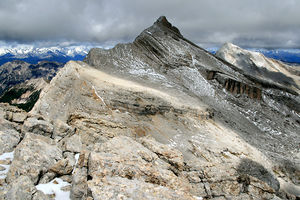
[79,184]
[9,137]
[171,155]
[22,189]
[33,157]
[72,144]
[61,129]
[137,163]
[10,130]
[122,188]
[38,126]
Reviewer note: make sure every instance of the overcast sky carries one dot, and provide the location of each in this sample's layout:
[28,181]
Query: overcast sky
[248,23]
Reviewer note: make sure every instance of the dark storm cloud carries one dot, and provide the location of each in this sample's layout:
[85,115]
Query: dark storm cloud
[268,23]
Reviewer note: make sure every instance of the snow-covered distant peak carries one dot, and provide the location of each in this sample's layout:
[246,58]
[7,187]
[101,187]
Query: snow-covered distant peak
[235,54]
[229,47]
[24,50]
[257,65]
[35,53]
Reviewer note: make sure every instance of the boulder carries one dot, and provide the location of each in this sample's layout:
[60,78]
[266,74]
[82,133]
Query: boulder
[79,183]
[9,136]
[61,129]
[72,144]
[62,167]
[33,157]
[21,189]
[18,117]
[39,195]
[38,126]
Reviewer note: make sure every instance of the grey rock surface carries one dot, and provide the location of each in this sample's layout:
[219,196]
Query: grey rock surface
[137,163]
[38,126]
[61,129]
[122,188]
[72,144]
[33,157]
[9,130]
[79,184]
[22,189]
[9,137]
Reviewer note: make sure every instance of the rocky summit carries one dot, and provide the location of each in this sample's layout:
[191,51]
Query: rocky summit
[158,118]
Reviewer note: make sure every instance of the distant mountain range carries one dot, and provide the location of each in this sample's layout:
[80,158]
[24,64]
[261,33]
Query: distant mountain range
[284,55]
[33,55]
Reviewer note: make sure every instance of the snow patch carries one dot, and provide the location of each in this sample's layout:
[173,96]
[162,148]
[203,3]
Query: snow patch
[76,158]
[265,125]
[194,61]
[147,72]
[76,161]
[98,95]
[6,156]
[198,198]
[55,187]
[193,80]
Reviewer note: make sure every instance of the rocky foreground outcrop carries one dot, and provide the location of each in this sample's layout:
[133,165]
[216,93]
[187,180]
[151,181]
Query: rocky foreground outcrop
[153,120]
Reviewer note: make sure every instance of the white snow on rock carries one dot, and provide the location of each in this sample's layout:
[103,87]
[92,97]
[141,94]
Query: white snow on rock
[55,187]
[198,198]
[6,156]
[99,96]
[76,158]
[21,51]
[76,161]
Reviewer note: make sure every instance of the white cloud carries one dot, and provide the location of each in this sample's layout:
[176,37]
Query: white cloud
[268,23]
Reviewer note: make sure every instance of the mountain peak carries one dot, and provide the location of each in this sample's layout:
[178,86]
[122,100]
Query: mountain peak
[228,44]
[163,22]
